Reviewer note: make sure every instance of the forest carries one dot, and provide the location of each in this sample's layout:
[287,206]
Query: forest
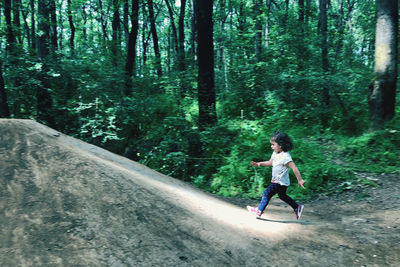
[195,88]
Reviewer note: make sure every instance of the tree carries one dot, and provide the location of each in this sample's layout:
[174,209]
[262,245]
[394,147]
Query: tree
[323,28]
[383,87]
[116,25]
[10,33]
[4,110]
[205,58]
[44,99]
[131,56]
[72,26]
[155,37]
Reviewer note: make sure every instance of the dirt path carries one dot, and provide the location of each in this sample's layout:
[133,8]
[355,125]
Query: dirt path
[67,203]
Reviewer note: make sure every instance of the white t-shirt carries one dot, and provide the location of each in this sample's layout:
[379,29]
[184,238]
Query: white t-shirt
[280,172]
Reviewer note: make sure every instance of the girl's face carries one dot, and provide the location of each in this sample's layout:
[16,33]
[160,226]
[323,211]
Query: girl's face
[275,147]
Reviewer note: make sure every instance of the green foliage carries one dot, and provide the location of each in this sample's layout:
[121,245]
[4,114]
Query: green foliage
[373,151]
[237,177]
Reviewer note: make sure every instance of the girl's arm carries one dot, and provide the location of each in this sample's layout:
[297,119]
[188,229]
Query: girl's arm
[262,163]
[296,172]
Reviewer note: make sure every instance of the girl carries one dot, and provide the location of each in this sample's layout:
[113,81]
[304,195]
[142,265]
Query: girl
[280,161]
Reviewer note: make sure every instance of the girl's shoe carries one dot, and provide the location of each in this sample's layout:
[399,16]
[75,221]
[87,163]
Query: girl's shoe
[254,210]
[299,211]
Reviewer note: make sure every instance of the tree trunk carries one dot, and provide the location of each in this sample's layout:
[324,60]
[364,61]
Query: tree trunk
[116,27]
[126,21]
[383,87]
[258,40]
[44,100]
[155,38]
[26,27]
[71,26]
[9,30]
[4,109]
[181,51]
[181,30]
[17,6]
[84,17]
[205,57]
[174,32]
[323,23]
[131,57]
[53,28]
[103,22]
[33,29]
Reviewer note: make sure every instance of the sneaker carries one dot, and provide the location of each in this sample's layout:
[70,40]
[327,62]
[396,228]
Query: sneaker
[299,211]
[254,210]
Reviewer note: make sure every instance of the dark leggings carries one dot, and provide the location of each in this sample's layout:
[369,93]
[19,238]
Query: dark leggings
[273,189]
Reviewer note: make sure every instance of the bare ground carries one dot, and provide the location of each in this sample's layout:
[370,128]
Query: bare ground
[64,202]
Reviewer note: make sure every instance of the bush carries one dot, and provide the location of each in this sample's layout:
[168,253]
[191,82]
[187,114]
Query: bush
[237,177]
[373,152]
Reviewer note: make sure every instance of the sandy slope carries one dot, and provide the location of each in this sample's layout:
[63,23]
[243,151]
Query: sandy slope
[64,202]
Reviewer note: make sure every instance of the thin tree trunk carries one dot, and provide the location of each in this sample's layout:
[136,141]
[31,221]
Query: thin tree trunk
[258,12]
[44,99]
[383,88]
[145,40]
[33,23]
[184,87]
[53,28]
[324,47]
[103,22]
[71,26]
[84,17]
[17,6]
[126,21]
[26,27]
[174,32]
[4,109]
[131,57]
[181,27]
[205,56]
[116,27]
[9,30]
[155,38]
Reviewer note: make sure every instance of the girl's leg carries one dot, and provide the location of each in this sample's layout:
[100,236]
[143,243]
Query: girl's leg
[271,190]
[282,195]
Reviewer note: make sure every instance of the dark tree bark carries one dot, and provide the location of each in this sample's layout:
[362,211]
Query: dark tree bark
[84,17]
[4,109]
[71,26]
[9,28]
[301,13]
[131,57]
[181,29]
[205,56]
[323,27]
[103,22]
[116,27]
[33,23]
[126,21]
[184,85]
[145,38]
[258,39]
[17,6]
[383,87]
[26,27]
[53,28]
[44,99]
[155,37]
[174,32]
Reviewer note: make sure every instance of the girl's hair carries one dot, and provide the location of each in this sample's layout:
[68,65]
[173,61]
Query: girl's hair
[283,140]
